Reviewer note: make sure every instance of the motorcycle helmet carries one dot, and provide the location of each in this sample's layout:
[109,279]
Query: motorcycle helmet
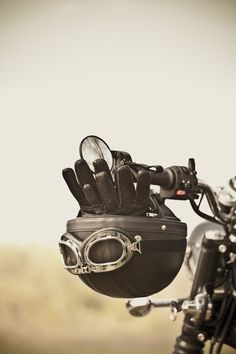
[124,256]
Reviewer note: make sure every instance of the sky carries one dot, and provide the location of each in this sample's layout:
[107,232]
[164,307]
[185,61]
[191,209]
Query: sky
[154,78]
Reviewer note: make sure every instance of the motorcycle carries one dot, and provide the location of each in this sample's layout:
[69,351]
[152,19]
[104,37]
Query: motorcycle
[210,257]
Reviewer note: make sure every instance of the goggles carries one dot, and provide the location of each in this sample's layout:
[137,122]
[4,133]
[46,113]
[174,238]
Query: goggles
[77,255]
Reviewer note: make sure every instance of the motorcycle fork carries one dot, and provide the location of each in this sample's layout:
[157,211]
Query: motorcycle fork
[193,336]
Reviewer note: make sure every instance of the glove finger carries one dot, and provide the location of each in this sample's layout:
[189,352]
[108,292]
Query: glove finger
[143,187]
[101,165]
[107,192]
[125,186]
[91,195]
[71,181]
[85,175]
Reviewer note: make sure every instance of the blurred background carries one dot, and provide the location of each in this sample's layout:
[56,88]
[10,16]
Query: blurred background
[154,78]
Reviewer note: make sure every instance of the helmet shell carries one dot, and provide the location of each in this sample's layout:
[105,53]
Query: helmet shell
[144,274]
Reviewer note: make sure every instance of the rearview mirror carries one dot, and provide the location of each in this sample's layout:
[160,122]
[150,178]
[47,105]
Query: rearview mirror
[92,148]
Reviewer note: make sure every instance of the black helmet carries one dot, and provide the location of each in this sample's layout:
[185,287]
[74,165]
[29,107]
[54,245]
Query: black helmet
[124,256]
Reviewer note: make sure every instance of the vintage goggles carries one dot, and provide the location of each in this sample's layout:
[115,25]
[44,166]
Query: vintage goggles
[76,255]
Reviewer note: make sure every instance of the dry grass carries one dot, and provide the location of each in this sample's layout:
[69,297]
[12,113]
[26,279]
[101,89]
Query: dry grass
[46,310]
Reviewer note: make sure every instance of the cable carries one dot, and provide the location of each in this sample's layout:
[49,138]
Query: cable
[226,327]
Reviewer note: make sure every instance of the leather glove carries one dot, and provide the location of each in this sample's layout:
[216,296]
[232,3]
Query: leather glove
[98,194]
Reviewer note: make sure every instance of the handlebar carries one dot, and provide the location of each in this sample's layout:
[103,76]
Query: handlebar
[212,201]
[176,182]
[180,182]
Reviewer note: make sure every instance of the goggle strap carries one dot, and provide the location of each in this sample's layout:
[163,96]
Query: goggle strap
[154,246]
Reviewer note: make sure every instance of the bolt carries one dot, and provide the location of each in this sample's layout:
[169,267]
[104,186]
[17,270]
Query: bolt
[232,238]
[222,248]
[163,227]
[201,337]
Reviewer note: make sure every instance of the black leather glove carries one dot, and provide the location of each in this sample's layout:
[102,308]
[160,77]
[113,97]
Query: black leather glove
[98,194]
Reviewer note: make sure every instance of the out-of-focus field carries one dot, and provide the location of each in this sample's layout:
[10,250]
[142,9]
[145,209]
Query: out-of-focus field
[46,310]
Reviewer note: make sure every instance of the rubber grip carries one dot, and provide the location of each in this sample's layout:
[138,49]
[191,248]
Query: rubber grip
[163,179]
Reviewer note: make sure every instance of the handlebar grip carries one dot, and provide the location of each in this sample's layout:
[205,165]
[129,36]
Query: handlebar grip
[163,179]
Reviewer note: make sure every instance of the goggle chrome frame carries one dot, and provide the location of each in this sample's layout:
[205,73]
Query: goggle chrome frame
[81,251]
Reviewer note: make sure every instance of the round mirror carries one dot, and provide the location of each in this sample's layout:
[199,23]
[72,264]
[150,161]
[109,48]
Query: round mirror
[92,148]
[139,307]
